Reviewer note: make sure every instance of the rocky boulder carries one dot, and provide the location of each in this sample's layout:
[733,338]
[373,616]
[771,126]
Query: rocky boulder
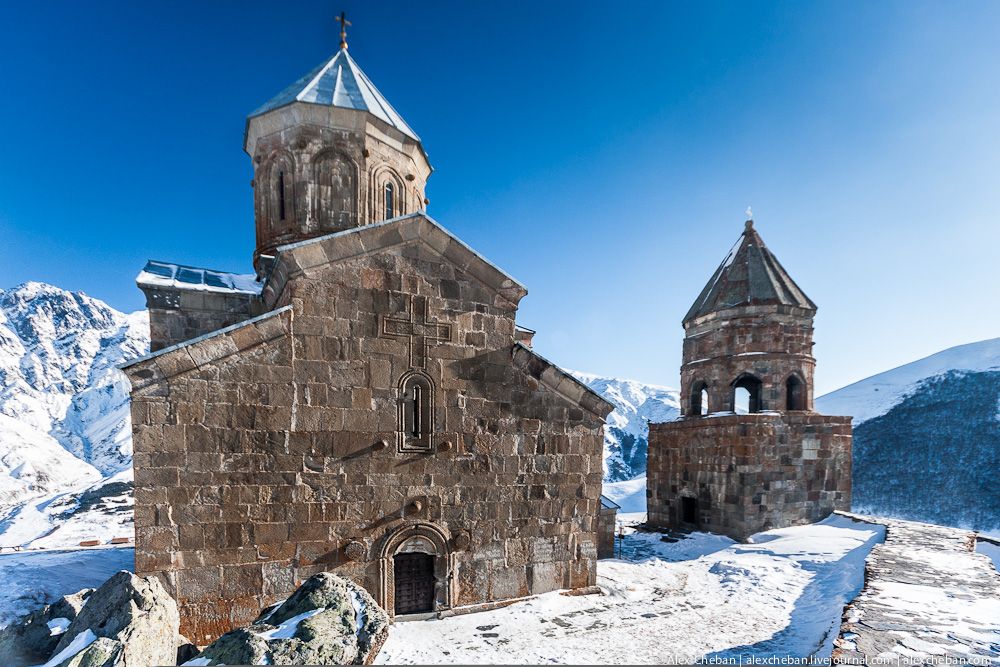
[33,639]
[327,621]
[129,620]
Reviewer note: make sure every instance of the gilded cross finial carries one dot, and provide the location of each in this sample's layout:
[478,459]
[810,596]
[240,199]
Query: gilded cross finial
[342,20]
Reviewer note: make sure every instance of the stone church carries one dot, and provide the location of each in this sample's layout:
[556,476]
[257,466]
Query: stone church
[738,467]
[364,402]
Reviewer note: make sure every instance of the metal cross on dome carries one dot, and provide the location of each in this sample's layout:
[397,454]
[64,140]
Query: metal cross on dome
[417,329]
[342,20]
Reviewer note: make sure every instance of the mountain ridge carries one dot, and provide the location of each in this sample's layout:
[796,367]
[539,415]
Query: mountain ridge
[65,427]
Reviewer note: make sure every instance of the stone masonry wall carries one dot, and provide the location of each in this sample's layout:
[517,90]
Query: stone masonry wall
[769,342]
[606,533]
[749,472]
[334,179]
[177,315]
[269,453]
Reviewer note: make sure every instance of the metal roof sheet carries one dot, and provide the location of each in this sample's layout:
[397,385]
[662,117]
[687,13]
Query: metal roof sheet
[339,82]
[165,274]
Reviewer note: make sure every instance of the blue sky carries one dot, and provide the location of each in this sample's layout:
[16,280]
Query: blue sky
[602,155]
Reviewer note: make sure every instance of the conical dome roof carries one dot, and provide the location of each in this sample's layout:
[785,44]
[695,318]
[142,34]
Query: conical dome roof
[339,82]
[749,275]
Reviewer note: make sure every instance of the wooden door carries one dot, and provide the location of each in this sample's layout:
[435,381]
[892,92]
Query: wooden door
[414,575]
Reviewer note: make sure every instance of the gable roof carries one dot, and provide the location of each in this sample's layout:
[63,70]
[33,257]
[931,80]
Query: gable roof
[608,504]
[296,257]
[749,275]
[187,355]
[559,381]
[339,82]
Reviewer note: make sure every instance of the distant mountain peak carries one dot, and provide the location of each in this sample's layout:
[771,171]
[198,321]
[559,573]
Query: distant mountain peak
[63,402]
[626,438]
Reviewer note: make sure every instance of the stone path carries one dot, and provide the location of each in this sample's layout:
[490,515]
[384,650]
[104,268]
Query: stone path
[928,598]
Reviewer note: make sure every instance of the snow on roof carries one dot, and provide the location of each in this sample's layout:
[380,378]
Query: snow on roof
[609,504]
[339,82]
[163,274]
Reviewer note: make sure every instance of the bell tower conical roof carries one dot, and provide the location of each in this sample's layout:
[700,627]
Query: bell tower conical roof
[339,82]
[749,275]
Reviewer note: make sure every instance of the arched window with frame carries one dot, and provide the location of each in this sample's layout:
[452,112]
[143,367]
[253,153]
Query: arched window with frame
[390,200]
[795,393]
[335,191]
[416,413]
[281,208]
[747,394]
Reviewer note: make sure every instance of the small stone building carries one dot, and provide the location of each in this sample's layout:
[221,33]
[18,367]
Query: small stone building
[364,402]
[748,452]
[606,528]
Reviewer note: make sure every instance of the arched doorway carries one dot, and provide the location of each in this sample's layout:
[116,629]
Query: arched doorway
[416,566]
[413,577]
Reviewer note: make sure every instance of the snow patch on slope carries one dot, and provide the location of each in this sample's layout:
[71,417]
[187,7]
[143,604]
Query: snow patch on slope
[875,396]
[100,511]
[630,494]
[33,579]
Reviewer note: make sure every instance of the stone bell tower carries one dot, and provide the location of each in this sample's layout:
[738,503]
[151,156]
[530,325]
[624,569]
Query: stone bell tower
[748,452]
[750,329]
[329,154]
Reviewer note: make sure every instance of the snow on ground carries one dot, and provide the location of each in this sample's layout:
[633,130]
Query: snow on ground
[100,511]
[670,603]
[29,580]
[630,494]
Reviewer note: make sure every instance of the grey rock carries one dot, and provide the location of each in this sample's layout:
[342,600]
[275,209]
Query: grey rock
[103,652]
[135,612]
[327,621]
[30,641]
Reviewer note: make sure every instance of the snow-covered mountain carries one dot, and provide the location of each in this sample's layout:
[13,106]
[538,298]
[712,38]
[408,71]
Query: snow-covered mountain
[64,416]
[926,443]
[626,437]
[927,438]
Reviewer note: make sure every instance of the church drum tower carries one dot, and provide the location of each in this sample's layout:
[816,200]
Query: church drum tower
[748,453]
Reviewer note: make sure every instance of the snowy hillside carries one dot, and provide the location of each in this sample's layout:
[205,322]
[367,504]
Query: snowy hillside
[626,436]
[64,417]
[875,396]
[927,438]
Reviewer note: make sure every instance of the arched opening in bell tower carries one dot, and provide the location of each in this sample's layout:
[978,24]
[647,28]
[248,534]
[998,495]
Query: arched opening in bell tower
[746,394]
[795,393]
[699,406]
